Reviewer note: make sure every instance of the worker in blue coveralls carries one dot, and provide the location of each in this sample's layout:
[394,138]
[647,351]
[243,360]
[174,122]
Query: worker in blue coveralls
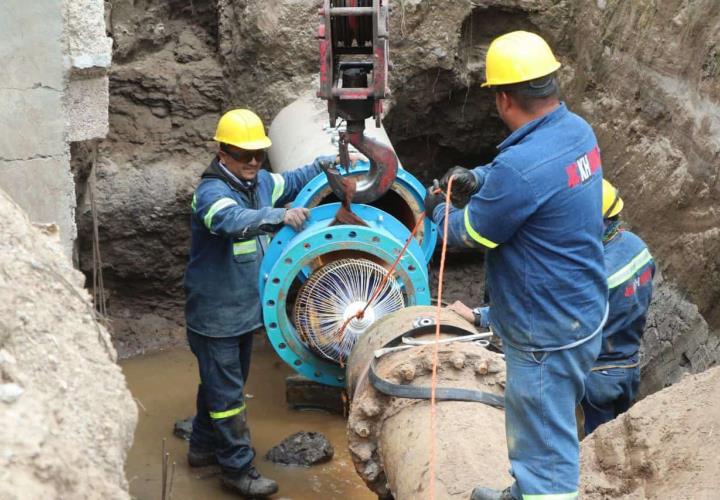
[235,209]
[536,211]
[612,385]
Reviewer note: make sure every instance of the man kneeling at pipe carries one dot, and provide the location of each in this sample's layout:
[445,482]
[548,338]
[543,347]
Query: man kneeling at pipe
[235,209]
[612,385]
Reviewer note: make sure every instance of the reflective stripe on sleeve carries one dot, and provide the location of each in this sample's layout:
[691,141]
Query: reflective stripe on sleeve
[193,205]
[278,187]
[629,270]
[474,234]
[244,247]
[215,208]
[552,496]
[227,413]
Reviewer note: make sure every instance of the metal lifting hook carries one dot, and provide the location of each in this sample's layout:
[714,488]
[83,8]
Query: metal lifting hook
[382,173]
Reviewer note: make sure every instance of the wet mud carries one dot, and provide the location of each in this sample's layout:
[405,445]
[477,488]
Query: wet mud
[164,386]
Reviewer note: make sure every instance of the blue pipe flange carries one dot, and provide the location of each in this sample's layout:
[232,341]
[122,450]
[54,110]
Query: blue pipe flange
[291,256]
[406,187]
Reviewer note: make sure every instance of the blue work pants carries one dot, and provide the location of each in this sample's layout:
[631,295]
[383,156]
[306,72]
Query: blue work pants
[609,392]
[543,389]
[220,423]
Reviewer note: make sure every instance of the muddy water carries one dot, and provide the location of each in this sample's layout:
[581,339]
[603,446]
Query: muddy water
[165,383]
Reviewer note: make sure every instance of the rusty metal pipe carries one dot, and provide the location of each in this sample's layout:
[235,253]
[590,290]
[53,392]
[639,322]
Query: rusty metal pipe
[389,437]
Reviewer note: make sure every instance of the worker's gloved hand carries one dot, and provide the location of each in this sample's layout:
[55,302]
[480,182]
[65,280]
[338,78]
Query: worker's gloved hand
[296,217]
[433,197]
[464,185]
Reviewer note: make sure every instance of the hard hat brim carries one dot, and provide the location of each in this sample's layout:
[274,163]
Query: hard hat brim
[248,145]
[617,209]
[526,78]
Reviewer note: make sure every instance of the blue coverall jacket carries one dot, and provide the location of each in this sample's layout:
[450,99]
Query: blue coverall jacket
[612,385]
[630,270]
[231,227]
[538,215]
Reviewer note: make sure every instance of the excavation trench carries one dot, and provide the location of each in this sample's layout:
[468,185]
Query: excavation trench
[164,384]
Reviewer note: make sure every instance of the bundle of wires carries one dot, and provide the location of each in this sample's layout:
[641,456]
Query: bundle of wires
[328,304]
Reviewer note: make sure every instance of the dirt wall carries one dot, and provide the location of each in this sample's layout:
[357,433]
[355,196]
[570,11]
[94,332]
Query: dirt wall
[664,447]
[178,65]
[68,417]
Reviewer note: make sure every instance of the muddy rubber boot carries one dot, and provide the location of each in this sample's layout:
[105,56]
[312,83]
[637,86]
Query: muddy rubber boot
[481,493]
[201,458]
[250,484]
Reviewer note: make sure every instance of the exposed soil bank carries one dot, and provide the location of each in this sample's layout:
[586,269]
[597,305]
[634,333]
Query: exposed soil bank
[664,447]
[67,416]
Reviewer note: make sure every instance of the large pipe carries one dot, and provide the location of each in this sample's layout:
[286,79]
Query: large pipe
[390,437]
[300,133]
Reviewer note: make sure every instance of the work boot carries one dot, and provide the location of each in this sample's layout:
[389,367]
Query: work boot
[201,458]
[481,493]
[250,483]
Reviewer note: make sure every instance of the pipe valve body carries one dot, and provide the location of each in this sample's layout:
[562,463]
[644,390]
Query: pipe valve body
[313,283]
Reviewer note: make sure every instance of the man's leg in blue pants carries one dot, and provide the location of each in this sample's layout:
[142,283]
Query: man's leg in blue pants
[608,393]
[221,419]
[543,389]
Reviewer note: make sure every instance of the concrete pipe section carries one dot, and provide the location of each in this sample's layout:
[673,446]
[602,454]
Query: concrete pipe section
[389,437]
[300,133]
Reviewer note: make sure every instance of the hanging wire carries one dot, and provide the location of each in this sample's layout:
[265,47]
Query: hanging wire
[334,295]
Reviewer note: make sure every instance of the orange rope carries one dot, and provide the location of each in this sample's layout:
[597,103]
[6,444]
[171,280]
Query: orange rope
[436,346]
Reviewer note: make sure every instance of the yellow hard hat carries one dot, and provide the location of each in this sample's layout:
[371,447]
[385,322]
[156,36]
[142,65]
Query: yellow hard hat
[612,203]
[242,128]
[519,56]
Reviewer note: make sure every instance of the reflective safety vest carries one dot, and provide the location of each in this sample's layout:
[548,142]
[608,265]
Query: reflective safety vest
[231,226]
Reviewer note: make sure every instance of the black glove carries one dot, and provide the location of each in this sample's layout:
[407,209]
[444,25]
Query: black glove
[433,197]
[464,185]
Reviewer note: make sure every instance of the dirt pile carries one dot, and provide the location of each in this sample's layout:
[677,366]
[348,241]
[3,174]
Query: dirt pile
[664,447]
[68,418]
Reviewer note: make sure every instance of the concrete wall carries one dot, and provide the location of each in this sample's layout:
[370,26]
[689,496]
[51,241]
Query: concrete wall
[54,90]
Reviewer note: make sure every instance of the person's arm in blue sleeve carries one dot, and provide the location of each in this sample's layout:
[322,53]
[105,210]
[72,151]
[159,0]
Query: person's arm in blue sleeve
[288,185]
[494,214]
[480,174]
[222,215]
[482,316]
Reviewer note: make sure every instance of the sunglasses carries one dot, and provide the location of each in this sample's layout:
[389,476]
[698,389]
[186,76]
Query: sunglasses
[246,156]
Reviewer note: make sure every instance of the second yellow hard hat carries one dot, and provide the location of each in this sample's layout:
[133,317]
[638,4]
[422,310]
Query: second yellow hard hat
[516,57]
[242,128]
[612,203]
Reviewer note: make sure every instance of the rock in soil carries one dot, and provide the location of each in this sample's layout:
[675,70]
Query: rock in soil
[183,428]
[302,448]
